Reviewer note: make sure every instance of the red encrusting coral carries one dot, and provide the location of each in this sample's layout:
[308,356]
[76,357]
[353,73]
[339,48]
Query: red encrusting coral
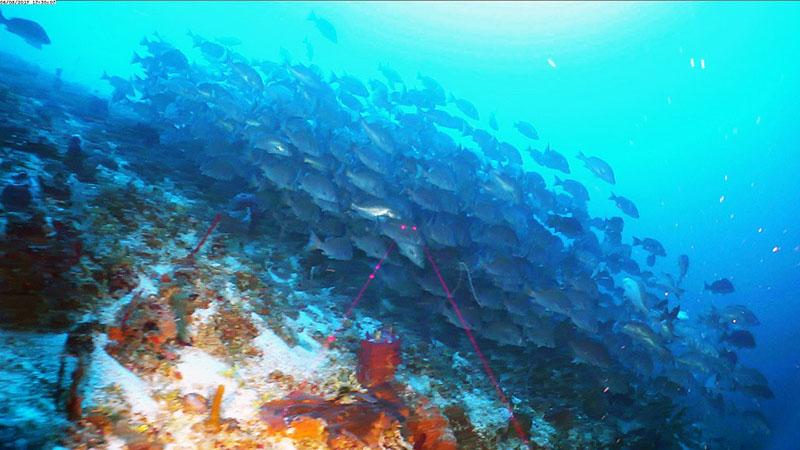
[353,419]
[378,359]
[430,427]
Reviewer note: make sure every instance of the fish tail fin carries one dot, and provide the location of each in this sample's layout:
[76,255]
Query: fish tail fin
[674,313]
[312,17]
[706,286]
[450,98]
[581,155]
[334,78]
[144,41]
[136,58]
[636,241]
[314,243]
[104,76]
[2,18]
[196,40]
[285,57]
[679,292]
[558,181]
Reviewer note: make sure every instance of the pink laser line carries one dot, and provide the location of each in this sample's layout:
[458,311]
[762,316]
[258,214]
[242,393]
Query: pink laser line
[371,277]
[203,241]
[489,372]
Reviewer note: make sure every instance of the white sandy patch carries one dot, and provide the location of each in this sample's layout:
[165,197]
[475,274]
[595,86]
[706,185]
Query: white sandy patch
[105,370]
[202,373]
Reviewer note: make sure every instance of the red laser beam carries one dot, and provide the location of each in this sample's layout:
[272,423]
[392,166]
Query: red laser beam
[203,241]
[472,340]
[371,277]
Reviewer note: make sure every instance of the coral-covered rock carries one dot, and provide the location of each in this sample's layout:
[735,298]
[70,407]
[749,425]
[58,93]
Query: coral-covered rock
[430,426]
[17,194]
[353,419]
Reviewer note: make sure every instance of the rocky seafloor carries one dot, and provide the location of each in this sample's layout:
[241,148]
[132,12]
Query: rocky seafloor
[123,327]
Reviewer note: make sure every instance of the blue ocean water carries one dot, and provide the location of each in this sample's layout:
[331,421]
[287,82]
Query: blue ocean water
[694,105]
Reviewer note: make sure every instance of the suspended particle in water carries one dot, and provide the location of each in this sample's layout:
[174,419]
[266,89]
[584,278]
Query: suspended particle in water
[731,215]
[722,199]
[726,178]
[703,64]
[669,101]
[760,229]
[775,249]
[691,62]
[551,62]
[758,120]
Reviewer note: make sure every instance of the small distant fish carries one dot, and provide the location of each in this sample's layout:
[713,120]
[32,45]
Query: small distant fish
[634,291]
[465,107]
[309,49]
[335,248]
[379,136]
[253,204]
[351,84]
[740,339]
[550,158]
[589,351]
[527,130]
[373,246]
[413,252]
[574,188]
[739,315]
[650,245]
[122,87]
[30,31]
[390,74]
[58,82]
[683,265]
[627,206]
[600,168]
[326,28]
[228,40]
[286,56]
[721,286]
[211,50]
[568,226]
[493,122]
